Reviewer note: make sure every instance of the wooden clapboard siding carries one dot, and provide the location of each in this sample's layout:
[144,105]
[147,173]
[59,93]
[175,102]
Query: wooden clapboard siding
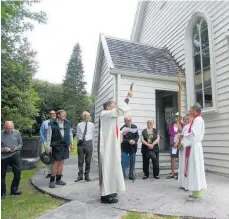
[166,26]
[105,91]
[142,108]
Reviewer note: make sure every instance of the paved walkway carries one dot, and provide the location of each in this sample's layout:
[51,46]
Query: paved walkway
[154,196]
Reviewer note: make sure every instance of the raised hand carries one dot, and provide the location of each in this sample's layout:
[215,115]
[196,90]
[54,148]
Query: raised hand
[130,94]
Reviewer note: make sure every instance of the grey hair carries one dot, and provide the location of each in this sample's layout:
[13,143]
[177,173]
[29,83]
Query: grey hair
[197,107]
[60,111]
[150,120]
[86,113]
[107,103]
[9,122]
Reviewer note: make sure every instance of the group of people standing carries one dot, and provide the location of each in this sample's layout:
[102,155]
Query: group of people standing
[185,144]
[57,137]
[186,137]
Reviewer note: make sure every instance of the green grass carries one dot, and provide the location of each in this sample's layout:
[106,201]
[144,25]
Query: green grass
[136,215]
[74,153]
[31,203]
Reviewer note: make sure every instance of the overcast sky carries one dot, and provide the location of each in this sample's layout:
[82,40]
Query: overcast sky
[72,21]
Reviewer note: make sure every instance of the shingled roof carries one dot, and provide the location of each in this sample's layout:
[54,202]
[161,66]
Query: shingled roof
[141,58]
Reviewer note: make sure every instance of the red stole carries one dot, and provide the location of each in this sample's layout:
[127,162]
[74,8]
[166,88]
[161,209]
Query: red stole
[188,149]
[117,131]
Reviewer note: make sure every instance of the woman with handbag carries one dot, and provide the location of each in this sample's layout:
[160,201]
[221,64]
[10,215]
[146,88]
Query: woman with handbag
[150,150]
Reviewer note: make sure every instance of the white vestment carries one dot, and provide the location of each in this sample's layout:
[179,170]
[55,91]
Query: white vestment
[110,151]
[182,180]
[196,172]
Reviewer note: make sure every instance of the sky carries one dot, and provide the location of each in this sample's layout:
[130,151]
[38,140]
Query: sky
[77,21]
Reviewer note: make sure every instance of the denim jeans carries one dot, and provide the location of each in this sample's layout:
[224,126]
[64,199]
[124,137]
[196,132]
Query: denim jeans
[125,159]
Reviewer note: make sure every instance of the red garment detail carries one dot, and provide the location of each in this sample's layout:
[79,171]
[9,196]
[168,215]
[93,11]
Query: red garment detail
[117,131]
[188,149]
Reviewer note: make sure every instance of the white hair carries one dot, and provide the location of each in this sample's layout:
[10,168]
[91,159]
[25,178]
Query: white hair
[197,107]
[84,114]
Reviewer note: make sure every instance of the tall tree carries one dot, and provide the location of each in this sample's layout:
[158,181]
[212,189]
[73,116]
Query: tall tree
[19,99]
[51,96]
[75,95]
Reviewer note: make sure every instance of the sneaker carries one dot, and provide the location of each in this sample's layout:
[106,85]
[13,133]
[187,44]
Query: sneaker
[132,178]
[87,178]
[60,182]
[191,199]
[170,177]
[52,184]
[145,177]
[17,192]
[79,179]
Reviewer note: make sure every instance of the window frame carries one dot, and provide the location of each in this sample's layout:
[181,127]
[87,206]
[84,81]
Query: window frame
[189,62]
[198,28]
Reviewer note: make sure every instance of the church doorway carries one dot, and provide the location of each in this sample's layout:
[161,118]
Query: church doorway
[166,107]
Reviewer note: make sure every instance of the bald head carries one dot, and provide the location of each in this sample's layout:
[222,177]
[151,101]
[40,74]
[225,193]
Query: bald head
[128,121]
[9,126]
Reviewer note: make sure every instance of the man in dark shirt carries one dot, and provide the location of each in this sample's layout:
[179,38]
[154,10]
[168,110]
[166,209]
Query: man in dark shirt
[11,144]
[129,147]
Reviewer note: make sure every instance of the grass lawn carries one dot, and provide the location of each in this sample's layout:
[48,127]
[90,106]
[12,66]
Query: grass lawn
[135,215]
[31,203]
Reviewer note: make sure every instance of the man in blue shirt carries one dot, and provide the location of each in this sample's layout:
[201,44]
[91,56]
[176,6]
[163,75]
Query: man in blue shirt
[43,134]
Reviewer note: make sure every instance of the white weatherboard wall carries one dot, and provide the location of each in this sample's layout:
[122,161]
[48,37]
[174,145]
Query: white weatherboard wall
[166,26]
[142,104]
[105,91]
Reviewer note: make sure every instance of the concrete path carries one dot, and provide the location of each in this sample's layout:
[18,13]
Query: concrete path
[154,196]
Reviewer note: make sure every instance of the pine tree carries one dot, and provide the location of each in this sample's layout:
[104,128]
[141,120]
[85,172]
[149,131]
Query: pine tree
[75,94]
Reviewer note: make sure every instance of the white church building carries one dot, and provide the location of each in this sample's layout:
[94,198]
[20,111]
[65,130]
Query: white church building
[170,37]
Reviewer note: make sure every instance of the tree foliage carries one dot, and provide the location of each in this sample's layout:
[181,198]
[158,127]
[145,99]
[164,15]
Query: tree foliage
[51,96]
[18,66]
[74,93]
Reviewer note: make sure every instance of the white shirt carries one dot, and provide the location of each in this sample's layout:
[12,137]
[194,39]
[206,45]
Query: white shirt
[80,131]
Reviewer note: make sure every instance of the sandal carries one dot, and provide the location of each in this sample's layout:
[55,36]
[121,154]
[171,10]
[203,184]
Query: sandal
[170,177]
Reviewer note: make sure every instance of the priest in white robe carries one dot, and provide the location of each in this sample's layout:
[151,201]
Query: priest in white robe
[109,151]
[194,159]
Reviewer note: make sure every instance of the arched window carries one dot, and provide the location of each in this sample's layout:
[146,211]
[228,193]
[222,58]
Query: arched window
[202,67]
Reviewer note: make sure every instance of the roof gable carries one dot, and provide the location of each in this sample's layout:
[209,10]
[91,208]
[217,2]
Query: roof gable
[130,56]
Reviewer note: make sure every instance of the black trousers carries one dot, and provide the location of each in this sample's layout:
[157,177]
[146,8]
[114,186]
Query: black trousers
[84,153]
[15,162]
[155,165]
